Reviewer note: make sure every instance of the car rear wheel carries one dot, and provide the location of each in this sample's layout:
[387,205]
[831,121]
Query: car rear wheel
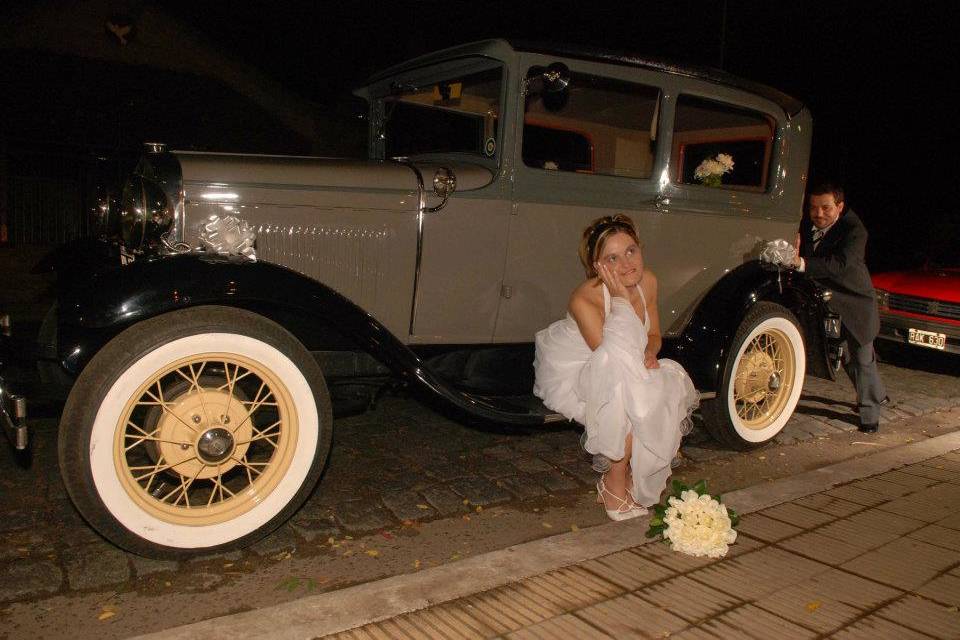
[762,379]
[195,431]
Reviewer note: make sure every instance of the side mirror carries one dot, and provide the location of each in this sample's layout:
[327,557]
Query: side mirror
[551,83]
[554,78]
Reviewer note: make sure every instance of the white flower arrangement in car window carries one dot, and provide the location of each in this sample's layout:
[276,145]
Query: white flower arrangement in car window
[710,171]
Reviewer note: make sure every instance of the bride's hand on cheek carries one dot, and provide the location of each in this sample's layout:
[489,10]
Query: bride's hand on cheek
[612,280]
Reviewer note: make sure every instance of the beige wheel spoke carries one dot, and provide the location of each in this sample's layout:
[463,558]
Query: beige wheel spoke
[231,383]
[250,467]
[157,469]
[218,486]
[264,434]
[159,402]
[196,387]
[181,489]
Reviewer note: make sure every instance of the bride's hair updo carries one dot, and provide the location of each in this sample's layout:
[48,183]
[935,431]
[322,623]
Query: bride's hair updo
[595,236]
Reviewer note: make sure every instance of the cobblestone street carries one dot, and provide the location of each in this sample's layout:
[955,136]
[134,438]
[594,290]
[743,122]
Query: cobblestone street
[401,480]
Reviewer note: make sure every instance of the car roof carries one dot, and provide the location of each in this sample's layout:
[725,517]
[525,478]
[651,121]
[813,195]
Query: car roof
[500,47]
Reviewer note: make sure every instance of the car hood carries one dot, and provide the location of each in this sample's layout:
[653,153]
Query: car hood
[326,173]
[934,284]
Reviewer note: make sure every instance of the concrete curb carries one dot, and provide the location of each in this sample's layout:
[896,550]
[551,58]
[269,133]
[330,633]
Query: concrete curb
[336,611]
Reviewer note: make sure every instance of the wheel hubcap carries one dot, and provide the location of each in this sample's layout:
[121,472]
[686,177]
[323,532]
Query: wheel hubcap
[764,378]
[215,445]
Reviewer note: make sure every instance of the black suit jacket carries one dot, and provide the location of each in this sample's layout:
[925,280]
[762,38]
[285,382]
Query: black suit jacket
[838,263]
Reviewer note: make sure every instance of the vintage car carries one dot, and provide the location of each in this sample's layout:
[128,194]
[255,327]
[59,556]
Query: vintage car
[202,345]
[920,307]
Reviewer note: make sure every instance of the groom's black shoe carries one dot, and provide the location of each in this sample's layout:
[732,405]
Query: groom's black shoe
[885,401]
[873,427]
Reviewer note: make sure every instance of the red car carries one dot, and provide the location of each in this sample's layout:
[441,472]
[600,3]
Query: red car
[920,307]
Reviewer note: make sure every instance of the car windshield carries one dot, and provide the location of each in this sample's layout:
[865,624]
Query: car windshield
[455,115]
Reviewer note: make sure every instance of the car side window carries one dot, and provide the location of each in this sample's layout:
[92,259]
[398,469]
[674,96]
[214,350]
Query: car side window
[456,115]
[719,145]
[596,126]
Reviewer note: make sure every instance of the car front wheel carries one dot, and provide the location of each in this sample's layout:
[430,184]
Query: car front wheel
[195,431]
[762,379]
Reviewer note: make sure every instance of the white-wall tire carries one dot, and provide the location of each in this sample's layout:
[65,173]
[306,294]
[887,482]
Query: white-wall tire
[762,379]
[106,449]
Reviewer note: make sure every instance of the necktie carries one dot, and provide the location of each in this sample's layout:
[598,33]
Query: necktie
[817,236]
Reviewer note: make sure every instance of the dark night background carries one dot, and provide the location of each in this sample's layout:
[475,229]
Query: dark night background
[878,77]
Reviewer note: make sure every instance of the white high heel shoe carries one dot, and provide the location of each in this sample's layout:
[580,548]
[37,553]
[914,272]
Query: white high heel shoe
[625,508]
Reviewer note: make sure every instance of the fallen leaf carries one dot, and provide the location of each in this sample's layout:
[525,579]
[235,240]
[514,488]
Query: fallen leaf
[387,535]
[106,615]
[466,518]
[416,564]
[167,583]
[813,606]
[465,501]
[348,553]
[330,540]
[228,565]
[348,537]
[422,507]
[479,509]
[455,556]
[373,553]
[761,457]
[574,527]
[547,525]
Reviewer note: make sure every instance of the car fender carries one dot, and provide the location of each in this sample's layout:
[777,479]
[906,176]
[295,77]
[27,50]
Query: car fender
[114,299]
[702,347]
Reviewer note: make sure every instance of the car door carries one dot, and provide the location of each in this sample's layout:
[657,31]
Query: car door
[442,117]
[589,152]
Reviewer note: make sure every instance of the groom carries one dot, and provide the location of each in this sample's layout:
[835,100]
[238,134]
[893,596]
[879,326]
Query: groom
[831,251]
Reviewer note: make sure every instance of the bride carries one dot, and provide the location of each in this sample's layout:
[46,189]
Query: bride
[599,366]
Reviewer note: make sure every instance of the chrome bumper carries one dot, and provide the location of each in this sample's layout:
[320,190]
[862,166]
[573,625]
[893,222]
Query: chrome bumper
[13,408]
[13,417]
[895,328]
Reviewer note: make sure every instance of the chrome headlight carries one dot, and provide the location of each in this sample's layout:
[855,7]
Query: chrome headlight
[883,298]
[145,214]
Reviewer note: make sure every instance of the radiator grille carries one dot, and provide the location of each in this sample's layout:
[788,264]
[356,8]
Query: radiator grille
[936,308]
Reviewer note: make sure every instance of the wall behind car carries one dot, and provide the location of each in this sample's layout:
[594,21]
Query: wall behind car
[86,83]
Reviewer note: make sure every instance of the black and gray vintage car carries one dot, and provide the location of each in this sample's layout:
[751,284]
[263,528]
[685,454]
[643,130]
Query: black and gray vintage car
[201,347]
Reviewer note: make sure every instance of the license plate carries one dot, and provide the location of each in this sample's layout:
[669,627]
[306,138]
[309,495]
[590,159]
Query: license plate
[927,339]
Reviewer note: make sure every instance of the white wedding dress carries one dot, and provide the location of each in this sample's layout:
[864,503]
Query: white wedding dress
[610,392]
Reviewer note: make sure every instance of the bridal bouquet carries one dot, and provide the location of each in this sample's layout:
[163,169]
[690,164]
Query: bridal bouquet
[711,170]
[694,522]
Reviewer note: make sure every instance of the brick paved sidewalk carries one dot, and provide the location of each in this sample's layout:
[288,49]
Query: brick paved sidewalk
[875,558]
